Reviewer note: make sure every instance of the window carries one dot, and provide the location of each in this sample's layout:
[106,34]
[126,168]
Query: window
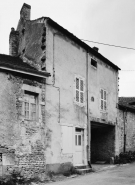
[94,63]
[30,105]
[79,90]
[103,100]
[78,139]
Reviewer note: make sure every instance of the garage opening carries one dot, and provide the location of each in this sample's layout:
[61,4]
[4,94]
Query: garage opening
[102,142]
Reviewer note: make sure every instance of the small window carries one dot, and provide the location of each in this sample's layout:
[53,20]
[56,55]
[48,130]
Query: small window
[79,90]
[78,139]
[94,63]
[103,100]
[30,105]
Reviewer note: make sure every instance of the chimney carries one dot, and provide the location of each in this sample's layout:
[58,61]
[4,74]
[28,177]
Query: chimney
[25,11]
[13,42]
[96,49]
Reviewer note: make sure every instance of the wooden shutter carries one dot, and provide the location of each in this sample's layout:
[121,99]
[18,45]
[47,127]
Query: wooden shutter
[77,89]
[81,91]
[101,99]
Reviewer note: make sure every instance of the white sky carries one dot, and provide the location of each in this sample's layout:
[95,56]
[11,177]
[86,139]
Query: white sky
[107,21]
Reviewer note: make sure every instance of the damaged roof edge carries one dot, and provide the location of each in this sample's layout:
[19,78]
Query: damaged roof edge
[29,72]
[124,107]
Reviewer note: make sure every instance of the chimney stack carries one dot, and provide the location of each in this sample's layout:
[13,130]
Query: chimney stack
[13,42]
[25,11]
[96,49]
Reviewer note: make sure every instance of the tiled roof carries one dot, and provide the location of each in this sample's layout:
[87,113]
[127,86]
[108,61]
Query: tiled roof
[127,103]
[16,63]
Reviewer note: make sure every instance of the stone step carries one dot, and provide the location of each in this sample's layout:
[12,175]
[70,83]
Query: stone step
[81,167]
[83,171]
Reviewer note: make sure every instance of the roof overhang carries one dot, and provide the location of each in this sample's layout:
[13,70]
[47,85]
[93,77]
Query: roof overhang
[126,108]
[28,72]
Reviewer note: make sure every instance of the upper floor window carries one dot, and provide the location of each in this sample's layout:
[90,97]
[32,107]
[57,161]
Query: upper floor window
[103,100]
[30,105]
[79,90]
[94,63]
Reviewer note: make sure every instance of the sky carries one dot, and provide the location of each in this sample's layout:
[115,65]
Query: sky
[106,21]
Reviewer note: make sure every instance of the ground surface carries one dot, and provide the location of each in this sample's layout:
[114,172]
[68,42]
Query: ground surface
[124,174]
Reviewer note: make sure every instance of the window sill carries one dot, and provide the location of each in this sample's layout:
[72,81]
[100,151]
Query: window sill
[95,68]
[79,104]
[30,120]
[103,111]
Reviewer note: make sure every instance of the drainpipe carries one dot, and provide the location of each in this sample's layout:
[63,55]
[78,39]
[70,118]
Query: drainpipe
[88,119]
[124,117]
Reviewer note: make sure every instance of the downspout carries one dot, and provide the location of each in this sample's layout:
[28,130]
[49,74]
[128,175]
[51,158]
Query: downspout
[88,119]
[124,117]
[53,60]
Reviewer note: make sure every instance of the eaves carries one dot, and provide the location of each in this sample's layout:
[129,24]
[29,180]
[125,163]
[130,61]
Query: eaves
[23,70]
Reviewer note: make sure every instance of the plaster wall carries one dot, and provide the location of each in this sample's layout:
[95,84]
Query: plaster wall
[65,59]
[103,77]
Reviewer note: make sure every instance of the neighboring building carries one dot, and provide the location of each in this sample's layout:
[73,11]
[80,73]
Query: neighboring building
[126,122]
[68,118]
[22,124]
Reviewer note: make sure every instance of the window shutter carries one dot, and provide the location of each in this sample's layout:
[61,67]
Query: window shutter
[102,104]
[103,100]
[77,83]
[81,91]
[77,89]
[102,94]
[106,100]
[77,95]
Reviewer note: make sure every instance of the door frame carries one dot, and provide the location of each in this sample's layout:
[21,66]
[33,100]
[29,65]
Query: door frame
[82,142]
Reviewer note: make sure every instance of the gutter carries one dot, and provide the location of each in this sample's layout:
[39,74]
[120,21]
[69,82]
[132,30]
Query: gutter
[24,72]
[124,107]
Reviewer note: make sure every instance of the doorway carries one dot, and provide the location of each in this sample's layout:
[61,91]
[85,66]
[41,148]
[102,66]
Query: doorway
[79,146]
[102,142]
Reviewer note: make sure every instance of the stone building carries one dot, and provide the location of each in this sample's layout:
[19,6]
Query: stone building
[22,131]
[61,98]
[126,120]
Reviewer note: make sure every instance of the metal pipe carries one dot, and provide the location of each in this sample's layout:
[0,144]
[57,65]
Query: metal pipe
[88,119]
[53,59]
[124,116]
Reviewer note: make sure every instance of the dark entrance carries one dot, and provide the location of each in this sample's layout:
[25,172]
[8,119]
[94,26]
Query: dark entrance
[102,142]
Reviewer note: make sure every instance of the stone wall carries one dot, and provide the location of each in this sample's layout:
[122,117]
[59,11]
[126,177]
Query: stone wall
[129,130]
[26,138]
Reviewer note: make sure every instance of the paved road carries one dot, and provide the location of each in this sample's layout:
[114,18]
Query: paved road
[124,174]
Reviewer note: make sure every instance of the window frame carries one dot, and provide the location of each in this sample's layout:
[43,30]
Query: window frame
[93,60]
[27,99]
[80,88]
[103,100]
